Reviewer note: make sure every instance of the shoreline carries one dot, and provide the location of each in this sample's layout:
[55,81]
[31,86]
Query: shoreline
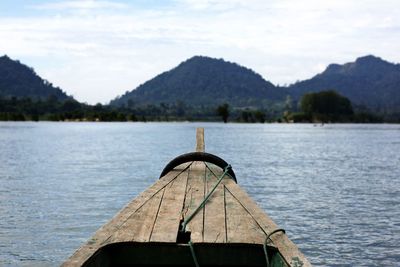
[319,124]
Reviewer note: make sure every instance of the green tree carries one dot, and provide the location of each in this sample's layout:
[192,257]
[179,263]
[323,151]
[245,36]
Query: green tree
[246,116]
[326,105]
[223,111]
[180,107]
[326,102]
[259,116]
[132,117]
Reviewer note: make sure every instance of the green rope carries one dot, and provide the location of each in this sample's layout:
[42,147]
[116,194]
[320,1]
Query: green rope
[202,204]
[227,174]
[265,243]
[193,254]
[188,219]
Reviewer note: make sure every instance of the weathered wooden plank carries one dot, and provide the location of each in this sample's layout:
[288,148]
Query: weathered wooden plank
[166,226]
[195,191]
[241,227]
[102,236]
[140,225]
[200,145]
[214,216]
[286,247]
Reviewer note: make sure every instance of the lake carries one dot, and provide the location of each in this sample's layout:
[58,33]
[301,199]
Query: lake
[334,188]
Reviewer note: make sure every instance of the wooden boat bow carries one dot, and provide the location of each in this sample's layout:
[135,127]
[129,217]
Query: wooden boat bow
[226,227]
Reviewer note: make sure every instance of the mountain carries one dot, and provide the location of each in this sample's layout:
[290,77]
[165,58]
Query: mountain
[204,81]
[207,82]
[19,80]
[369,81]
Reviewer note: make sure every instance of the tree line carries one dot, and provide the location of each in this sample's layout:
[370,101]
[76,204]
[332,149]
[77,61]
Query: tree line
[329,106]
[325,106]
[52,109]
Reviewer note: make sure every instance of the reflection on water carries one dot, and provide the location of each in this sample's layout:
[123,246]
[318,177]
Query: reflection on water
[335,189]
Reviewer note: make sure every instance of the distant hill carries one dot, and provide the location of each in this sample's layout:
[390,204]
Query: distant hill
[19,80]
[369,81]
[208,82]
[204,81]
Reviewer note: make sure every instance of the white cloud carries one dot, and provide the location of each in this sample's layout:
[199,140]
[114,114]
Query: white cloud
[98,55]
[79,4]
[217,4]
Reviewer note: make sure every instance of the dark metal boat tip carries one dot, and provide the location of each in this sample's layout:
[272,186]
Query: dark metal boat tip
[199,156]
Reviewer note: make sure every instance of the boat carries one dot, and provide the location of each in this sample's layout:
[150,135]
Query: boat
[195,214]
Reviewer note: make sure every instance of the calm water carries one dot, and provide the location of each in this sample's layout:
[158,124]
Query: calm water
[335,189]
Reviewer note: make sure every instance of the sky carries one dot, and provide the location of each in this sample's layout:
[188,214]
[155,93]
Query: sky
[96,50]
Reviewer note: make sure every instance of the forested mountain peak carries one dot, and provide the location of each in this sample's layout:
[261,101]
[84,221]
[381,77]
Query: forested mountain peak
[204,81]
[362,66]
[368,81]
[207,64]
[19,80]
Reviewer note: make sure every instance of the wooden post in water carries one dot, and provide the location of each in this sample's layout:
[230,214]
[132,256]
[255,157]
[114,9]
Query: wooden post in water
[200,146]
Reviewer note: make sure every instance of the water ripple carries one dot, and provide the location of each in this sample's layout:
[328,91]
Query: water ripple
[335,189]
